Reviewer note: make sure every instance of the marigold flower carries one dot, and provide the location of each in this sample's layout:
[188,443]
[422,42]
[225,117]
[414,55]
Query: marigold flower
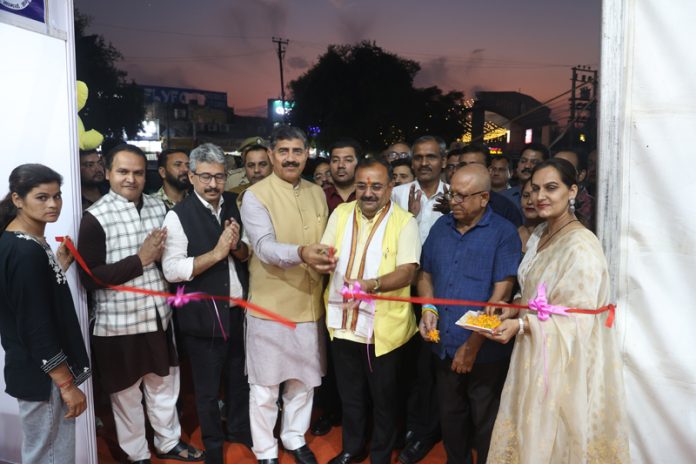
[434,336]
[483,320]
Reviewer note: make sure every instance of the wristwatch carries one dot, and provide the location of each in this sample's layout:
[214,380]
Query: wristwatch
[378,284]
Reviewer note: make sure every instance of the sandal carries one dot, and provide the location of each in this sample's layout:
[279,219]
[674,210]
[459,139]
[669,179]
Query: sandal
[183,452]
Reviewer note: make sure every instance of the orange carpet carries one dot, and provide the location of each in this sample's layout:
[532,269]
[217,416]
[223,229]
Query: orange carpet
[324,448]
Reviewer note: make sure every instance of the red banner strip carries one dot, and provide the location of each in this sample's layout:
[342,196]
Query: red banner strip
[198,296]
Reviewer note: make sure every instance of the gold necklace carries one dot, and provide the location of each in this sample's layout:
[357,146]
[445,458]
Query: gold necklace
[549,237]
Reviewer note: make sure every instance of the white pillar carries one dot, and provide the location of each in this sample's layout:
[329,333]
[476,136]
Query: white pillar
[38,124]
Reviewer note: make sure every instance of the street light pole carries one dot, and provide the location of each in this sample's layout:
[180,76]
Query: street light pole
[282,43]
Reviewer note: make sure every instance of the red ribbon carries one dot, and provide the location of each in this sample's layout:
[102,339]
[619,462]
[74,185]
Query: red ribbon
[611,309]
[191,296]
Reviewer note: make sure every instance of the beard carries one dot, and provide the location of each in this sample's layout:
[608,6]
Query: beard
[180,183]
[89,183]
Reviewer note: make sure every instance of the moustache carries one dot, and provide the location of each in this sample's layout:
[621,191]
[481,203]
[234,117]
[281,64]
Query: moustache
[212,190]
[527,170]
[368,199]
[424,169]
[288,164]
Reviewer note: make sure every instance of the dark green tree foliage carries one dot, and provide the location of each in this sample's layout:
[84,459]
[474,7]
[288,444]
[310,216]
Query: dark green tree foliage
[364,92]
[114,105]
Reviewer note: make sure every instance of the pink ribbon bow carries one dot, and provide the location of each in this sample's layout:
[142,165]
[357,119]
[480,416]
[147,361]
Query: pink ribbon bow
[181,298]
[542,307]
[544,310]
[355,292]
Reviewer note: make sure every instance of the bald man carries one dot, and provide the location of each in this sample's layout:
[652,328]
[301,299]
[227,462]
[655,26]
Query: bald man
[470,254]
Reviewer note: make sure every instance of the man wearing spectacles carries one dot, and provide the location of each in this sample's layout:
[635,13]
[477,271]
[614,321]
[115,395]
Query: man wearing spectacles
[204,251]
[471,254]
[397,151]
[475,154]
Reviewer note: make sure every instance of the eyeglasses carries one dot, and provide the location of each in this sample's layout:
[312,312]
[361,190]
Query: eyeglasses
[456,198]
[206,177]
[395,155]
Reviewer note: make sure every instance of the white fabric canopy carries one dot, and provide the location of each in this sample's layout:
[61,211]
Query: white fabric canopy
[648,215]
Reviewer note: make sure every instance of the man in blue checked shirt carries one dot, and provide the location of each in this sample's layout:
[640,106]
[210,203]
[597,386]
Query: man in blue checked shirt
[470,254]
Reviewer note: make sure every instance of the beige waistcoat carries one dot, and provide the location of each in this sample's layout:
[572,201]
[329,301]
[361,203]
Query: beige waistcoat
[299,217]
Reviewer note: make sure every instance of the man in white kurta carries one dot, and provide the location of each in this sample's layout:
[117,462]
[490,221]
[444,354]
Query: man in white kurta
[285,217]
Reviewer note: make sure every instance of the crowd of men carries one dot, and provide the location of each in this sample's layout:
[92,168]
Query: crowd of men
[414,220]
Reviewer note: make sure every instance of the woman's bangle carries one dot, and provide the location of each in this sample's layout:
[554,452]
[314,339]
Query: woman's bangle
[430,308]
[521,331]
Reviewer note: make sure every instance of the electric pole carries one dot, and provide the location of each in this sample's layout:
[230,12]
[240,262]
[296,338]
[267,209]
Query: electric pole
[583,104]
[282,43]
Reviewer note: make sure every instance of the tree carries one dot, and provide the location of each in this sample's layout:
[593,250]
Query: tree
[364,92]
[115,105]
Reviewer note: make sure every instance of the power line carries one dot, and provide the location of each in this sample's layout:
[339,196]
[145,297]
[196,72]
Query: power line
[570,123]
[180,33]
[187,58]
[480,63]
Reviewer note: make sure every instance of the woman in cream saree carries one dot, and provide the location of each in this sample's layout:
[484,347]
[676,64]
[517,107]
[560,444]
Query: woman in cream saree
[563,400]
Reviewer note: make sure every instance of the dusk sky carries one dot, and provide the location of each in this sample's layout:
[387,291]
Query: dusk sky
[526,46]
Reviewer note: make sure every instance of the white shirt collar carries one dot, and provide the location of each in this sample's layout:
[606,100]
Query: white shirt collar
[210,207]
[440,186]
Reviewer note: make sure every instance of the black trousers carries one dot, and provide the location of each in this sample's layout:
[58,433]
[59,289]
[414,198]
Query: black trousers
[214,360]
[356,383]
[326,397]
[468,407]
[421,401]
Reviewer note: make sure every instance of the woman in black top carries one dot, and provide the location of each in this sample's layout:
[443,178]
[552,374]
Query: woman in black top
[45,356]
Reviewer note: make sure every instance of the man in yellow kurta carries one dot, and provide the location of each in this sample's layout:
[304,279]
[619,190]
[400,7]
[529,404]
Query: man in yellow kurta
[284,217]
[377,246]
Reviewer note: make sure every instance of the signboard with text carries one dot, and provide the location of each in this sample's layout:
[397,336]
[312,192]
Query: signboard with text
[174,95]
